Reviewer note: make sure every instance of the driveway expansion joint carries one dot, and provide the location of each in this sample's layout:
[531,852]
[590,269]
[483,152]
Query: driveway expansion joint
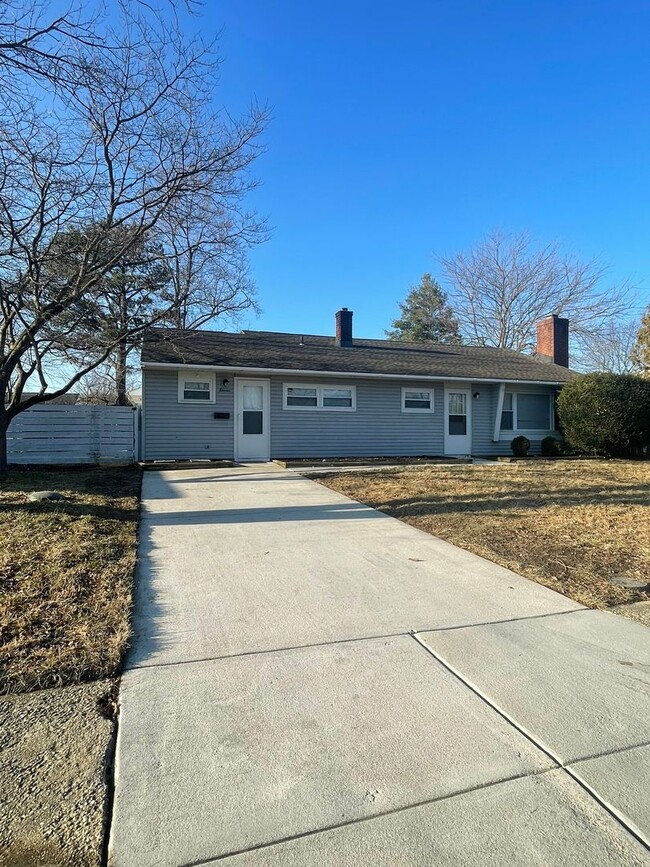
[270,650]
[408,632]
[609,808]
[501,622]
[613,752]
[564,766]
[205,862]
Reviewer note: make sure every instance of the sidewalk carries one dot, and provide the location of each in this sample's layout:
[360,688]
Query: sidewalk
[315,683]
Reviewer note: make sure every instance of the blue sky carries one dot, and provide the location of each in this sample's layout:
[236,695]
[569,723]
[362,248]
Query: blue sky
[402,130]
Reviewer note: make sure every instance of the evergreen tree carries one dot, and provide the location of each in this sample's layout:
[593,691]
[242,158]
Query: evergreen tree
[426,317]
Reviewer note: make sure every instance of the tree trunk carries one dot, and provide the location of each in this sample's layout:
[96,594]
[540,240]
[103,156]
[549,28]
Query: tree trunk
[122,351]
[4,425]
[121,359]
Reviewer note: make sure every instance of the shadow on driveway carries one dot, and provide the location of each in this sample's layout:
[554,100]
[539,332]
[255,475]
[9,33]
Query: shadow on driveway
[270,514]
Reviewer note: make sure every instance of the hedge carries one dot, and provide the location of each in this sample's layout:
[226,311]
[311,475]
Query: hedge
[606,414]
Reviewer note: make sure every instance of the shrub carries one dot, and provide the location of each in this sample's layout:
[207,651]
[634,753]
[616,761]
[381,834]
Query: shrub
[606,414]
[551,447]
[520,446]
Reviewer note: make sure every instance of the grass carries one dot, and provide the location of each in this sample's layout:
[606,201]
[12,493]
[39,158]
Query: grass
[570,525]
[66,572]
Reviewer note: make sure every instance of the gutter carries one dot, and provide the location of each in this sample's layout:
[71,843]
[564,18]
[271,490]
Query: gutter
[284,371]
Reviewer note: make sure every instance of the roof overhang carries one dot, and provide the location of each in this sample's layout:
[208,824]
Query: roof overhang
[285,371]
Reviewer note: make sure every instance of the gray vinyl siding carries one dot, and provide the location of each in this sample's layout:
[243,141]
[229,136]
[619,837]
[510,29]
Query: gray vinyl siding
[484,416]
[176,431]
[484,409]
[377,428]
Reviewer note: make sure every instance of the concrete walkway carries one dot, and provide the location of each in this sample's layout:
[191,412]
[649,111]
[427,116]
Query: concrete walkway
[313,683]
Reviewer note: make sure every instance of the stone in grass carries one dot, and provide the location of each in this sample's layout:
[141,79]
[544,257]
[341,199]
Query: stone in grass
[628,583]
[37,496]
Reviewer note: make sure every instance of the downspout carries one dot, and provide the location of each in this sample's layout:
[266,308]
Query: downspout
[497,420]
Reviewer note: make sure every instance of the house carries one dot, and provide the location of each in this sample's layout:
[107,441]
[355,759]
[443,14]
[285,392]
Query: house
[258,395]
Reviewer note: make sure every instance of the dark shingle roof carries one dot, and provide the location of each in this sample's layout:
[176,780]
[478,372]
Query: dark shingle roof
[272,350]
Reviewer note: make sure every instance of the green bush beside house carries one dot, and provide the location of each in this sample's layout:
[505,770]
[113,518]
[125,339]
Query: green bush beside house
[606,414]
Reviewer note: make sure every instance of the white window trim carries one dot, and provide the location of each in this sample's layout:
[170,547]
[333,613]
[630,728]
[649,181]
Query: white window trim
[319,397]
[432,396]
[536,433]
[198,376]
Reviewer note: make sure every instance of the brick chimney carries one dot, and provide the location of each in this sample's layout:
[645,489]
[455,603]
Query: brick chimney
[344,327]
[553,340]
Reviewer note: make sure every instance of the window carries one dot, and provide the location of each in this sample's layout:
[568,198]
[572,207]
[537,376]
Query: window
[457,413]
[196,391]
[530,412]
[296,396]
[507,414]
[533,412]
[320,397]
[252,409]
[195,387]
[417,400]
[337,397]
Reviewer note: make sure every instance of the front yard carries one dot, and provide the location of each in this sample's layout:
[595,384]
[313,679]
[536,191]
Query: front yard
[570,525]
[66,573]
[66,570]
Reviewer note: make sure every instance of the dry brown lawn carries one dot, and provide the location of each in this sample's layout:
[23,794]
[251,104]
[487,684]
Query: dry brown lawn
[570,525]
[66,572]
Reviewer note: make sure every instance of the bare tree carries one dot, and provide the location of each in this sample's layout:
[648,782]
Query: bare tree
[43,41]
[612,350]
[207,255]
[501,288]
[40,42]
[98,387]
[137,134]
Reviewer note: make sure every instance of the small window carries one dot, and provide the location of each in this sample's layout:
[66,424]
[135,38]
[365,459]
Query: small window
[341,397]
[195,388]
[507,415]
[301,396]
[320,397]
[196,391]
[417,400]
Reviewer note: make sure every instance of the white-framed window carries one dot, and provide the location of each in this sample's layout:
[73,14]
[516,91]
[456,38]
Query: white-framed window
[196,386]
[417,399]
[341,398]
[527,412]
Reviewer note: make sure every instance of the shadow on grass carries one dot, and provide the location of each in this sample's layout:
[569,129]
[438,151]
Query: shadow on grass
[79,487]
[623,495]
[76,510]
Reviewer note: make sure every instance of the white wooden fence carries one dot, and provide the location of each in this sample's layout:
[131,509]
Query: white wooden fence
[60,434]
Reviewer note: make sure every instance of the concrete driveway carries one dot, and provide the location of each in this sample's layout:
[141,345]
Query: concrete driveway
[314,683]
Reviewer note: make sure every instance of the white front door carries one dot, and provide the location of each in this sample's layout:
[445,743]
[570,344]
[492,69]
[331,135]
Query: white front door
[458,421]
[252,420]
